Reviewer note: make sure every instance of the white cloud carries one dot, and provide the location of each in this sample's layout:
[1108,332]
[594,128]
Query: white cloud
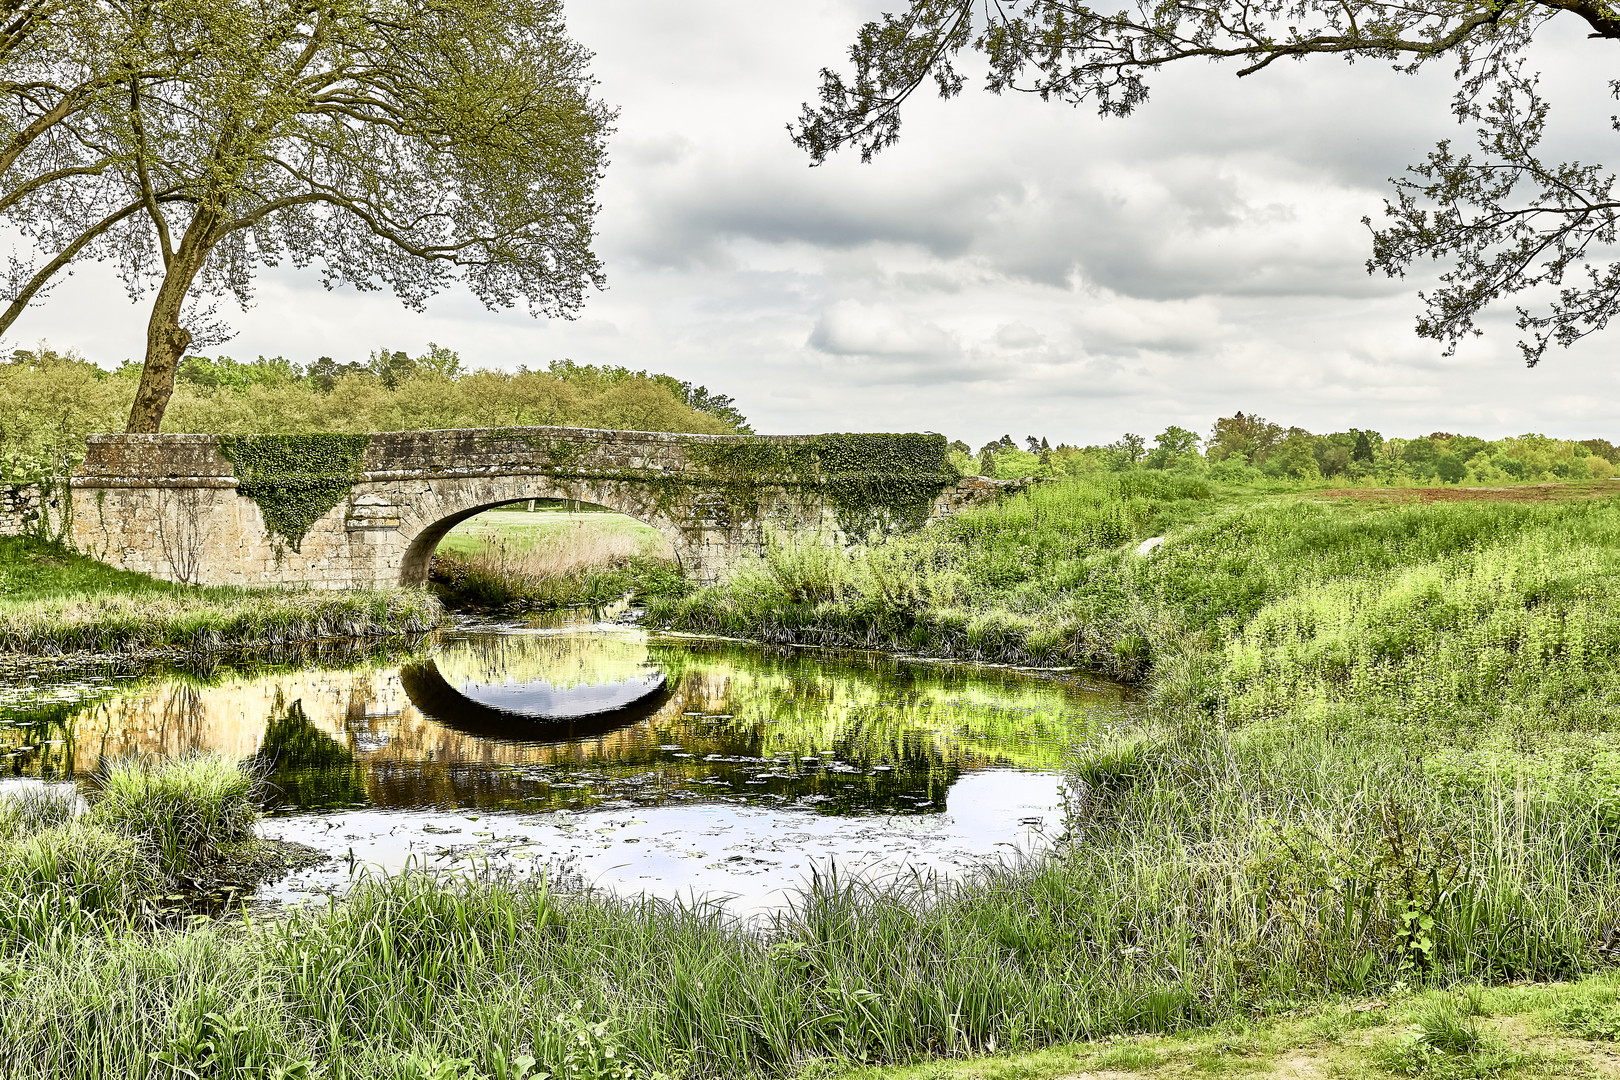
[851,328]
[1009,267]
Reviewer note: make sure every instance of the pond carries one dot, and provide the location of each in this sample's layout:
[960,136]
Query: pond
[630,760]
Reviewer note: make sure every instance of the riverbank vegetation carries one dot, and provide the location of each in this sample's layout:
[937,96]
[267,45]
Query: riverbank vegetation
[68,866]
[1377,743]
[1372,760]
[514,560]
[53,600]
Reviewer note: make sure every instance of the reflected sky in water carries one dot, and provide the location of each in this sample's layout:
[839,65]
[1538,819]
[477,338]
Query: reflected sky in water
[640,762]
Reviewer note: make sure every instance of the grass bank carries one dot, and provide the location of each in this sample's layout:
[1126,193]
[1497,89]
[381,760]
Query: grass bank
[55,601]
[1557,1030]
[1374,762]
[419,977]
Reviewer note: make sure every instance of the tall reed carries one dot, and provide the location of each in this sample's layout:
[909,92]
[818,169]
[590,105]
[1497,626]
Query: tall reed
[577,566]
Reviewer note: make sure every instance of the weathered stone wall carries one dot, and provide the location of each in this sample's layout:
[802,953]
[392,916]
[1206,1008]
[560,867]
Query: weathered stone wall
[19,509]
[168,505]
[973,491]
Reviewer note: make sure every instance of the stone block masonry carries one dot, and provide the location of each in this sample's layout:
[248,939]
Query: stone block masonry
[20,506]
[174,506]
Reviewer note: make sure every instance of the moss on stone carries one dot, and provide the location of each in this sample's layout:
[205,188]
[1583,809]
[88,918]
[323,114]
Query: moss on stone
[295,479]
[872,481]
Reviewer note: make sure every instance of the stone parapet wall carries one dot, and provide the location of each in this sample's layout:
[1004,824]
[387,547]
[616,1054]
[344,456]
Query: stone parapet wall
[20,506]
[144,461]
[975,491]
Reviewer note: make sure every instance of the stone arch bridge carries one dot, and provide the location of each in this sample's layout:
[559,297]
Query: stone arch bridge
[343,511]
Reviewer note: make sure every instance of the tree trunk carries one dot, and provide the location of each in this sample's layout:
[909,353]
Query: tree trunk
[166,342]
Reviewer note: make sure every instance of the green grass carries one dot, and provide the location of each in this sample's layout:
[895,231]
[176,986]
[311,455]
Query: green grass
[32,570]
[1372,762]
[1520,1036]
[77,864]
[150,827]
[528,530]
[515,560]
[55,601]
[183,810]
[413,974]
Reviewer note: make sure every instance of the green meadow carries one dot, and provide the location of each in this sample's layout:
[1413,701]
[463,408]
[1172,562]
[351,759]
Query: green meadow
[1370,761]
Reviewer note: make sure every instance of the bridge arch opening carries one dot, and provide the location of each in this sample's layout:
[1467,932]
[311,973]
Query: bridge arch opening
[541,535]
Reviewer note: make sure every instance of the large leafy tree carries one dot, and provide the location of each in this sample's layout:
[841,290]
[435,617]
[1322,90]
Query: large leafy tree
[57,63]
[1508,223]
[405,143]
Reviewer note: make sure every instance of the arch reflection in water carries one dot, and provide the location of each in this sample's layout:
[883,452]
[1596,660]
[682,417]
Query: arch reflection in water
[547,686]
[729,723]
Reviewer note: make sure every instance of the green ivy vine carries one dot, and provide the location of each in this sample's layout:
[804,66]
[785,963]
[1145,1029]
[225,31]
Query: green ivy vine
[872,481]
[295,479]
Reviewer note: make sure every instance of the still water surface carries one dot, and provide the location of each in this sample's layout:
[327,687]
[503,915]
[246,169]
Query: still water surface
[642,763]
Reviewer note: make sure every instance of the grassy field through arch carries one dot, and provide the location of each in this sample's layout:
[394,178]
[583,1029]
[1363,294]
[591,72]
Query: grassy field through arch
[558,554]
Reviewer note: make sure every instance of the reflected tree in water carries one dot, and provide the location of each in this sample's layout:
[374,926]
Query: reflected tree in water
[306,768]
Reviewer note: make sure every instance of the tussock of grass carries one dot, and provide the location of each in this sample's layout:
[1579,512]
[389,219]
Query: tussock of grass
[150,827]
[30,809]
[82,862]
[183,810]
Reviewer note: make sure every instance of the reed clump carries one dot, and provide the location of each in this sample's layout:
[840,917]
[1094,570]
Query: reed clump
[183,810]
[573,567]
[148,827]
[81,863]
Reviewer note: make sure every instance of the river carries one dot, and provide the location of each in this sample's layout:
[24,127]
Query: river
[600,753]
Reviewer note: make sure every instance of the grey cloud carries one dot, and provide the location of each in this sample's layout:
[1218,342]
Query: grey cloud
[1163,228]
[852,328]
[1008,267]
[1018,336]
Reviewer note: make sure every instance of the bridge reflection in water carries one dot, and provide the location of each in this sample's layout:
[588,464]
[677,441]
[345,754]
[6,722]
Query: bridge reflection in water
[576,718]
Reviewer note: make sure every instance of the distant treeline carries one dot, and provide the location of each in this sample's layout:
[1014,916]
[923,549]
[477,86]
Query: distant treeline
[1248,447]
[49,400]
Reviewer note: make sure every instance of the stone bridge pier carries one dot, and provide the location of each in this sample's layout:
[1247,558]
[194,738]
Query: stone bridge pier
[345,511]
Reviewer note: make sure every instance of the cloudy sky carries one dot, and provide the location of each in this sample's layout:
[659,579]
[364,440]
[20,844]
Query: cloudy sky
[1009,268]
